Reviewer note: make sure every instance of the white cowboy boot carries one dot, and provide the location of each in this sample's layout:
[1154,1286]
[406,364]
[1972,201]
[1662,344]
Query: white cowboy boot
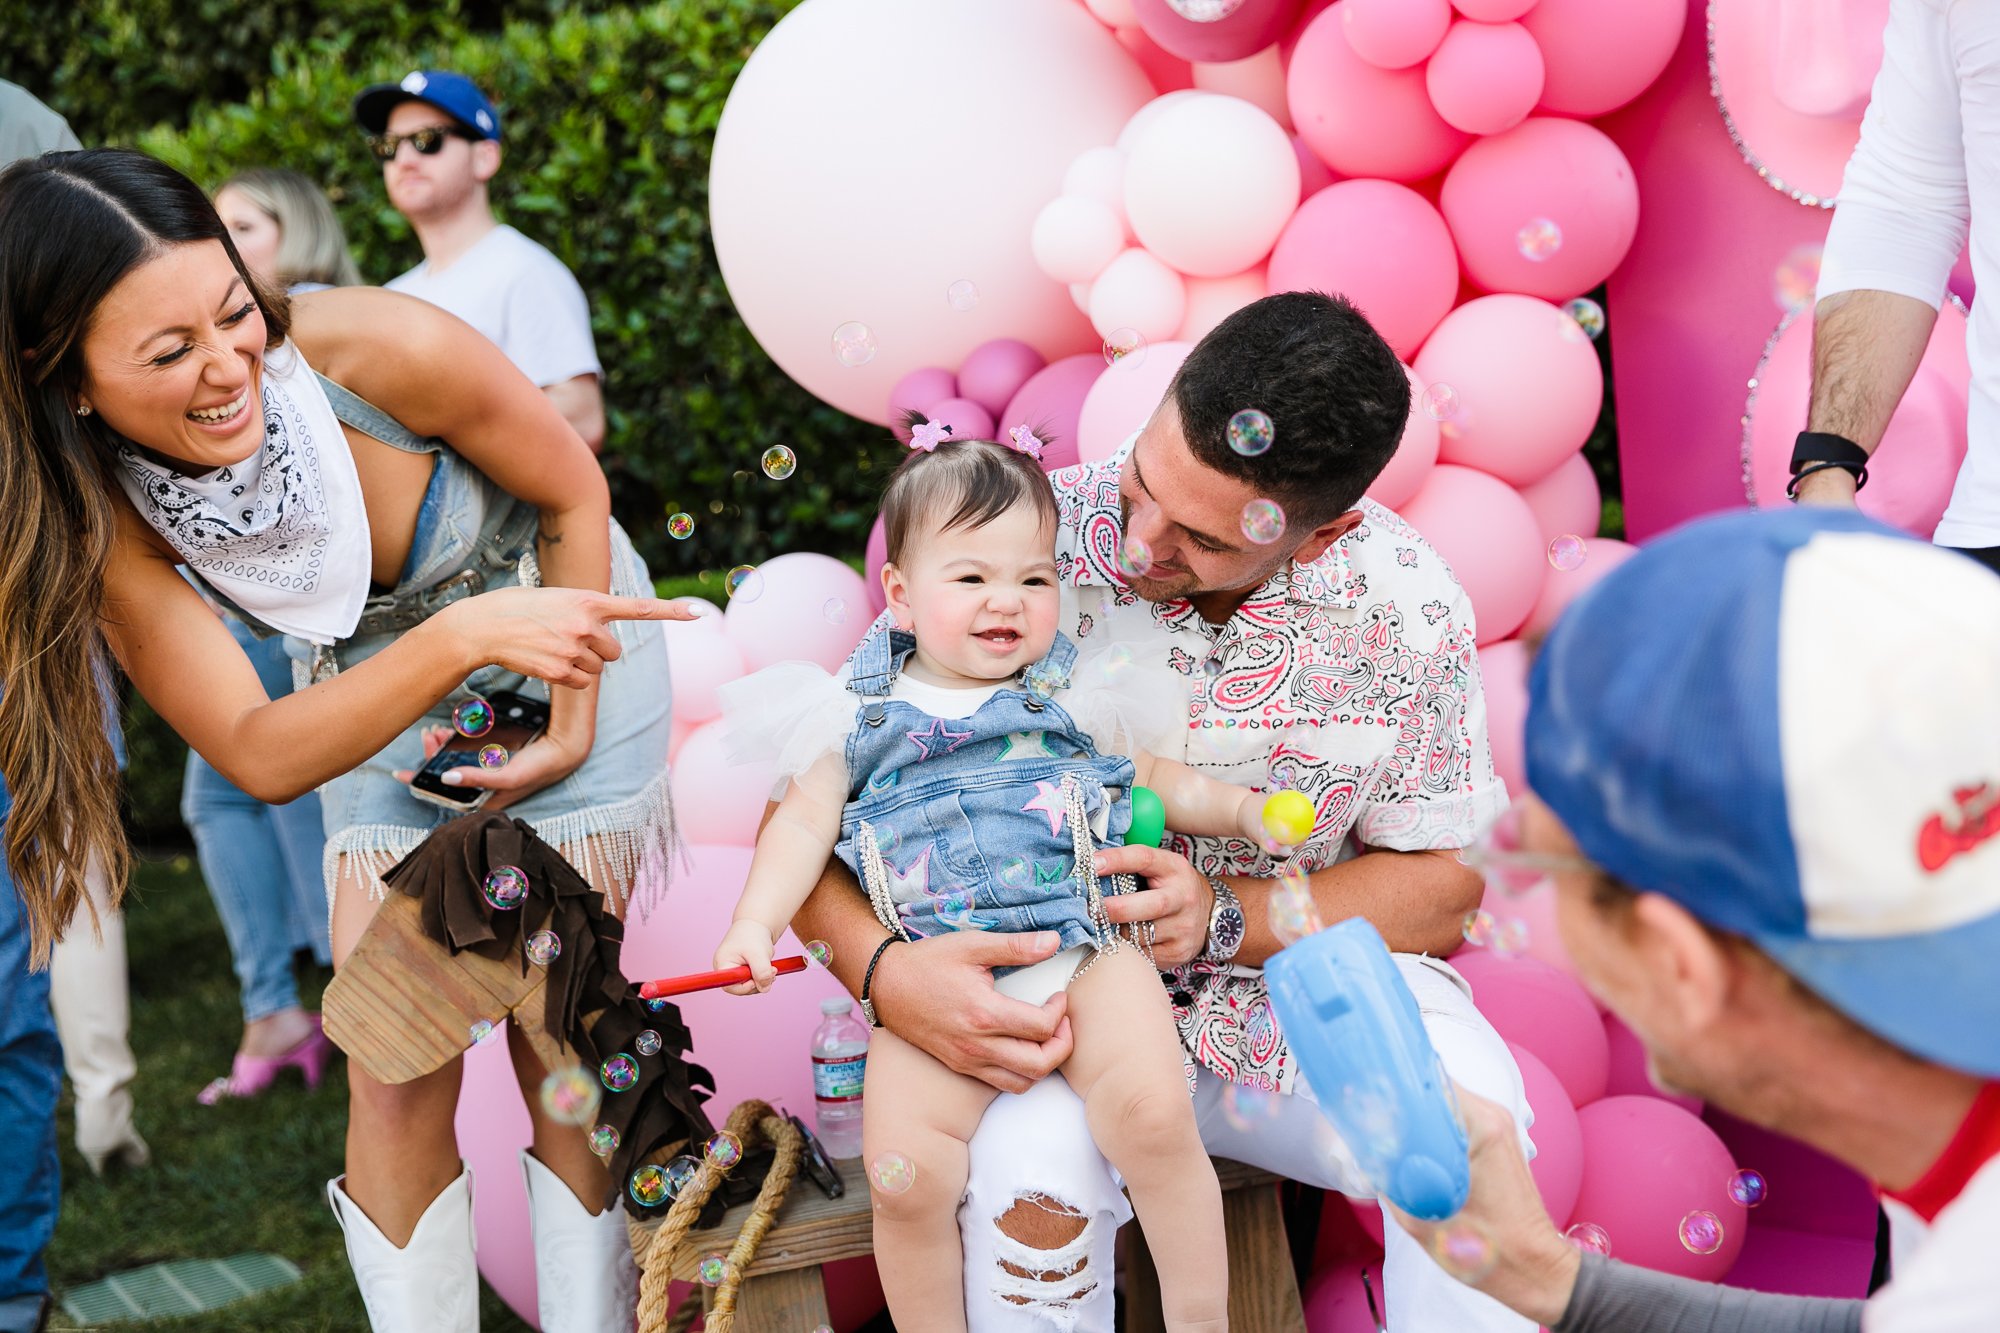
[430,1285]
[585,1280]
[88,992]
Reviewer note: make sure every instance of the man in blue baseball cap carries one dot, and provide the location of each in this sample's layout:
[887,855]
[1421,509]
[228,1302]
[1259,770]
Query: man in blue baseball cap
[1765,756]
[438,140]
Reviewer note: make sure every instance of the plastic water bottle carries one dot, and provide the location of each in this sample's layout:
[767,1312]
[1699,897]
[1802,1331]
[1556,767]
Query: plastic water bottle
[840,1058]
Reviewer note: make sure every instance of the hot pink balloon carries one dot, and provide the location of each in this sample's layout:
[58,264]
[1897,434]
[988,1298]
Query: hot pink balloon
[1336,1298]
[1567,500]
[1600,56]
[1558,1163]
[1563,586]
[916,392]
[1648,1165]
[1630,1075]
[724,800]
[1395,34]
[995,372]
[1258,79]
[1138,292]
[967,419]
[1485,77]
[1538,1006]
[1524,391]
[700,660]
[1167,72]
[1212,300]
[1075,237]
[1361,120]
[1123,398]
[1538,932]
[1379,244]
[1493,11]
[1503,674]
[809,608]
[1051,404]
[1252,26]
[1414,455]
[1313,173]
[872,560]
[1209,185]
[1548,209]
[1484,531]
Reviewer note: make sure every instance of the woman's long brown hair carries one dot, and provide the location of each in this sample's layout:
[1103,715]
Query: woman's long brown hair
[71,226]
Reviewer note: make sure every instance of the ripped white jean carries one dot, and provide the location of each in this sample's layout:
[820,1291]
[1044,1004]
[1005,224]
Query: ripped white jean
[1037,1146]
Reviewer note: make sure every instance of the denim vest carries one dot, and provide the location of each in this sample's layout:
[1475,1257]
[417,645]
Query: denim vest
[983,822]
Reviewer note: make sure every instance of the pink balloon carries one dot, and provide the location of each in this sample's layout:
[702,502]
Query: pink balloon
[1112,13]
[1099,173]
[1360,120]
[1600,56]
[1484,531]
[916,391]
[967,419]
[493,1127]
[724,800]
[1252,26]
[1548,209]
[1075,237]
[1395,34]
[1524,395]
[1567,500]
[1414,455]
[1503,674]
[1209,185]
[1212,300]
[1136,291]
[995,372]
[1123,398]
[1563,586]
[677,731]
[1493,11]
[1911,475]
[1258,79]
[810,608]
[1336,1299]
[700,660]
[1647,1165]
[1558,1163]
[876,556]
[1536,1005]
[1538,930]
[1051,403]
[1379,244]
[1485,77]
[1167,72]
[829,122]
[1630,1075]
[1313,174]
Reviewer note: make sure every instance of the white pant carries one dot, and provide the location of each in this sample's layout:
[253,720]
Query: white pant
[1038,1144]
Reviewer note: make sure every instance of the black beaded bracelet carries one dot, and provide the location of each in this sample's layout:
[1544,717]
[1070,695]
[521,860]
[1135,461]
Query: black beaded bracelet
[1859,472]
[868,981]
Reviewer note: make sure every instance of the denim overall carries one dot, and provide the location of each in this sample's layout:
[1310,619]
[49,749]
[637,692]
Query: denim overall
[984,822]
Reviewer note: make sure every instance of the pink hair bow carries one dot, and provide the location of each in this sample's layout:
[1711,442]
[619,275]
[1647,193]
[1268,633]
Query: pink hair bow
[1027,442]
[928,435]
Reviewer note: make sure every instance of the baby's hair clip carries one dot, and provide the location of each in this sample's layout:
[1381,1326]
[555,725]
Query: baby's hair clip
[928,435]
[1027,442]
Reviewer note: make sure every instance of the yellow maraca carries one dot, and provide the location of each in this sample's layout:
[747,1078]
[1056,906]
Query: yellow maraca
[1288,817]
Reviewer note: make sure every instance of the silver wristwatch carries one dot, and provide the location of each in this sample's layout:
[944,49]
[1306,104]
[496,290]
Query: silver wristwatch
[1225,925]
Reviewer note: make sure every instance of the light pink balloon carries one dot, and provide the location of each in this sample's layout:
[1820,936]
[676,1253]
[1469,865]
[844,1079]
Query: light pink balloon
[1051,404]
[1212,300]
[1548,209]
[1647,1164]
[1527,394]
[700,660]
[725,801]
[1258,79]
[1503,675]
[1252,26]
[677,732]
[812,608]
[492,1128]
[967,419]
[1123,398]
[829,121]
[1493,11]
[1136,291]
[1360,120]
[1135,128]
[1558,1164]
[1209,185]
[872,560]
[1630,1074]
[1313,173]
[1485,77]
[1561,586]
[1395,34]
[1540,1007]
[1079,292]
[916,391]
[1600,56]
[1567,500]
[1074,238]
[1485,532]
[1911,474]
[1379,244]
[1112,13]
[995,372]
[1415,454]
[1099,173]
[1167,72]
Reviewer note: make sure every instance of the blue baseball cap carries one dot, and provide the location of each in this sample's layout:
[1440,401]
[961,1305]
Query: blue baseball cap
[453,94]
[1789,723]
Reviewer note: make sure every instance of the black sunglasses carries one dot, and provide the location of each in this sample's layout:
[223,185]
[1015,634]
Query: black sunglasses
[427,141]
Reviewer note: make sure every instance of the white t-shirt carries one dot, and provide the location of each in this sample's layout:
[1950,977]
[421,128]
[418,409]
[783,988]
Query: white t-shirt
[519,295]
[1947,1280]
[1927,168]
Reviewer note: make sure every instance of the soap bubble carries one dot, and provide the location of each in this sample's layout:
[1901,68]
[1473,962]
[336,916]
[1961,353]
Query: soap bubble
[744,583]
[1589,1237]
[962,295]
[1539,239]
[680,526]
[493,756]
[1246,1107]
[1204,11]
[1124,347]
[1797,278]
[1748,1188]
[620,1073]
[853,344]
[834,611]
[473,718]
[1463,1250]
[820,952]
[714,1270]
[723,1151]
[1135,556]
[680,1174]
[571,1097]
[544,947]
[1211,667]
[1017,873]
[1568,552]
[1509,937]
[648,1186]
[1588,315]
[481,1032]
[1440,402]
[892,1173]
[505,887]
[1263,521]
[604,1140]
[1294,915]
[779,462]
[1477,928]
[647,1042]
[1251,432]
[1701,1232]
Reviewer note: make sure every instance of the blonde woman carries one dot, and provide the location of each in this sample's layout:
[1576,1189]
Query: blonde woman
[286,230]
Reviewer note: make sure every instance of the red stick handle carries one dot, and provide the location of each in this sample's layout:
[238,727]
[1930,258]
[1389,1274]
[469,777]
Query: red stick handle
[728,976]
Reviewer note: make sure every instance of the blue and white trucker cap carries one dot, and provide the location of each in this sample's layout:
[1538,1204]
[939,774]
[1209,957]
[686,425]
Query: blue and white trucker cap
[1789,723]
[453,94]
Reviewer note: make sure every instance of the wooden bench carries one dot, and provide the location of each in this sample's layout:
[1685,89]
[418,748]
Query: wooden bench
[782,1288]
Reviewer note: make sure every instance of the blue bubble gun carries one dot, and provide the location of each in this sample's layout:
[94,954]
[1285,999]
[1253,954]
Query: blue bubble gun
[1360,1043]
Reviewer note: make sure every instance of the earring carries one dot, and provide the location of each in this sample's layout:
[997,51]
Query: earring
[83,409]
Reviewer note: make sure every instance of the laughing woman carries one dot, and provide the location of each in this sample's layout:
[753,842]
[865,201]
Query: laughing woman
[364,474]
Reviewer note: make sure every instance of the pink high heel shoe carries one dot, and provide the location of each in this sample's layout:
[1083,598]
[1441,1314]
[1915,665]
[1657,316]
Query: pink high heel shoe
[250,1075]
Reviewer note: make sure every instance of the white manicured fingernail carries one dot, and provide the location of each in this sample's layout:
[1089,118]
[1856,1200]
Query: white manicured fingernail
[452,778]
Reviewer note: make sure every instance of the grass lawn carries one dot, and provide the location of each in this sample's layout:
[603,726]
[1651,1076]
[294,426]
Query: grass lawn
[240,1176]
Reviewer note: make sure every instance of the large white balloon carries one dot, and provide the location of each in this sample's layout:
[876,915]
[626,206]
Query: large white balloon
[874,153]
[1209,185]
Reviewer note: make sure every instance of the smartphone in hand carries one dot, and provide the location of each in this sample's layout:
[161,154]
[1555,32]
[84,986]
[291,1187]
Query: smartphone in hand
[517,719]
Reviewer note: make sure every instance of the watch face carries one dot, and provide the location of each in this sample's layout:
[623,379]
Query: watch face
[1225,931]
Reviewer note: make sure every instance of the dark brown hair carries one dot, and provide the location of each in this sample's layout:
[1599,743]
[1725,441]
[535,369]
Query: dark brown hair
[960,484]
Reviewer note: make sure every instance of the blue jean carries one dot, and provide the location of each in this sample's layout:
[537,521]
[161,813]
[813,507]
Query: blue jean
[30,1077]
[262,862]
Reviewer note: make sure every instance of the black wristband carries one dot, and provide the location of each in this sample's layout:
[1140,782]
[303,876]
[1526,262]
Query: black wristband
[1819,446]
[868,981]
[1859,473]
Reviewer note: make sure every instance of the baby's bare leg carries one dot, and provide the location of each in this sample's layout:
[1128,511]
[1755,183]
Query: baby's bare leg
[916,1109]
[1127,1069]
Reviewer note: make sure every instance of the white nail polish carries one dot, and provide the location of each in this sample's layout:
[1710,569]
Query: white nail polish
[451,778]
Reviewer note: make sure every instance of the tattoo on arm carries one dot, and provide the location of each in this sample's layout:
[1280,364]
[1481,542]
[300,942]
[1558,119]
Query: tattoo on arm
[550,536]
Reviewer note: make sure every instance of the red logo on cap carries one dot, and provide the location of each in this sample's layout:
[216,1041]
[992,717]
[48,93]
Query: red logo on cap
[1955,832]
